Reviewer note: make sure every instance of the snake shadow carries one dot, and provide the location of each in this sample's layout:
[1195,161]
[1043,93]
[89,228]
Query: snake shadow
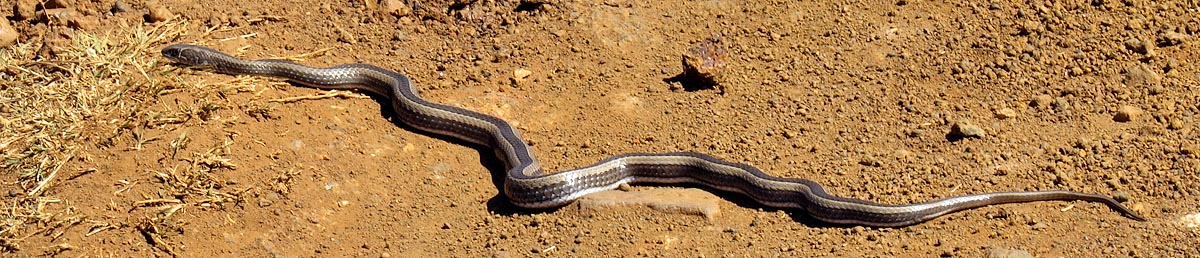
[499,204]
[745,202]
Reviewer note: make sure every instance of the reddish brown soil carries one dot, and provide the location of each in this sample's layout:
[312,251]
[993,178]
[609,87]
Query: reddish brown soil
[856,95]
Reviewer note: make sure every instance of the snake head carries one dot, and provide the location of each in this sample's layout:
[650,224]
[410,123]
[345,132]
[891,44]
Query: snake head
[185,54]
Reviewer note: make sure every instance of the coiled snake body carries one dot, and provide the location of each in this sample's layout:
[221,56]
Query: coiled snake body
[526,185]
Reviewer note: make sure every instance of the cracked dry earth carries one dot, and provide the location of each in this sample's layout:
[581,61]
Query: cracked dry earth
[860,96]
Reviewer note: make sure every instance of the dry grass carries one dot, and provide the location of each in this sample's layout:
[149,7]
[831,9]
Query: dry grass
[103,93]
[93,89]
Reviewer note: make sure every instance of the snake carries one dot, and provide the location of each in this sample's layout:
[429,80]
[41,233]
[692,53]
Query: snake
[526,185]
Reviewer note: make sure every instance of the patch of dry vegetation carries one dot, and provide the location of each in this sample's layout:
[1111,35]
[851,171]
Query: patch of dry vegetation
[104,93]
[53,107]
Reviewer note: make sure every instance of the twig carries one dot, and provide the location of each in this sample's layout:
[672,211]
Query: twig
[243,36]
[42,185]
[317,52]
[155,202]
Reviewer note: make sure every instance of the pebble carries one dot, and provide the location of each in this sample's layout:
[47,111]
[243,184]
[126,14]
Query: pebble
[1127,114]
[501,54]
[57,15]
[1174,38]
[1006,113]
[706,61]
[60,4]
[963,129]
[1140,46]
[521,74]
[1120,196]
[119,7]
[159,13]
[1140,75]
[1042,101]
[395,8]
[1040,226]
[263,202]
[1190,149]
[1175,124]
[1061,104]
[26,9]
[1190,220]
[1008,253]
[70,17]
[53,46]
[8,34]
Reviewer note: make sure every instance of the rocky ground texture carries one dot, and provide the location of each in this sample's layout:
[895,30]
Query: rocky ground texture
[894,102]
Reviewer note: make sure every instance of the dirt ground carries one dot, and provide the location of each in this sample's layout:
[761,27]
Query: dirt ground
[860,96]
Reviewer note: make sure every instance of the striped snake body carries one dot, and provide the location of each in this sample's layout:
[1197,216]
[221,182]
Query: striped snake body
[526,185]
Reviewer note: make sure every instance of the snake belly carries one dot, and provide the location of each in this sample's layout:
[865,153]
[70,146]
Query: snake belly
[527,185]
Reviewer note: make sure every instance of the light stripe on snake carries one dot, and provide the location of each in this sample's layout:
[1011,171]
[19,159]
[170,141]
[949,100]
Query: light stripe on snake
[526,185]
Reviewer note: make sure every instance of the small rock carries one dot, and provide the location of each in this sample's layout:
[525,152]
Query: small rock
[1006,113]
[263,202]
[345,35]
[60,4]
[57,15]
[1141,75]
[1173,39]
[1008,253]
[963,129]
[501,254]
[394,7]
[501,54]
[1041,101]
[1127,114]
[84,22]
[1190,220]
[1061,104]
[1190,149]
[870,162]
[521,74]
[159,13]
[26,9]
[68,16]
[52,46]
[119,7]
[8,34]
[400,36]
[1120,196]
[1140,46]
[705,62]
[1030,27]
[1039,226]
[1175,124]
